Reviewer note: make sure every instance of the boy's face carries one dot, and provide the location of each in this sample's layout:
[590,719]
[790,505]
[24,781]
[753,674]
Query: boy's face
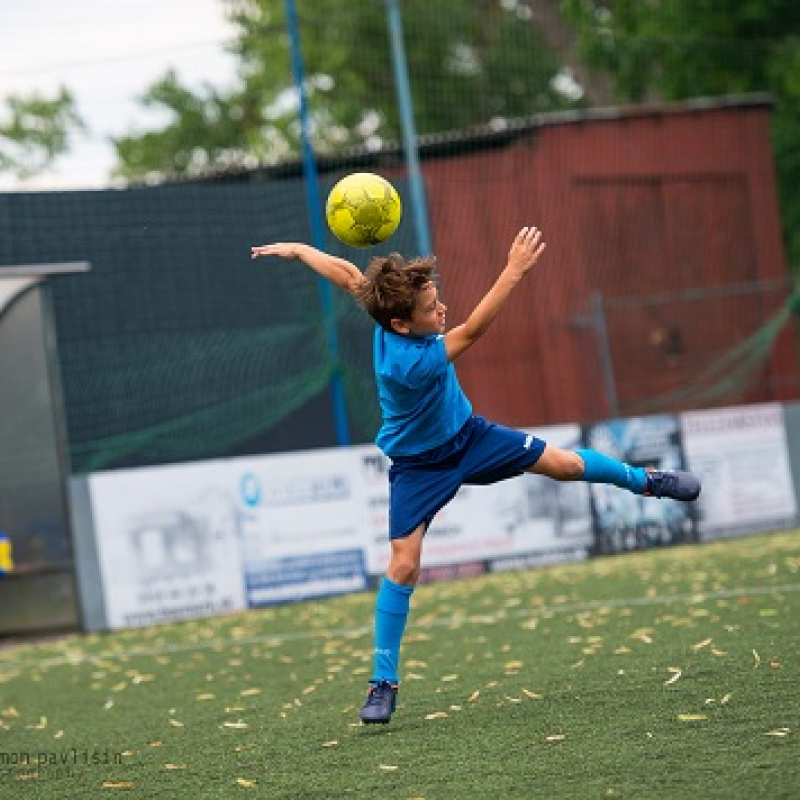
[428,316]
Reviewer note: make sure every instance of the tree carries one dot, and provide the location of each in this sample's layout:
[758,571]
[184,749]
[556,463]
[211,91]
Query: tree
[35,130]
[478,62]
[678,49]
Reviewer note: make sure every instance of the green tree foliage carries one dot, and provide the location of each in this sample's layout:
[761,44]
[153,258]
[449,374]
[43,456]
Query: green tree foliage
[34,131]
[678,49]
[474,63]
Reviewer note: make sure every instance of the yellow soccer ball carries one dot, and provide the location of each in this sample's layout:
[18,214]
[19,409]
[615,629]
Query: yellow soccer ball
[363,209]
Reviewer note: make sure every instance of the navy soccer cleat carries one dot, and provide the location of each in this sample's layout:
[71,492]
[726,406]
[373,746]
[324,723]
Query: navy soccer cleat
[673,483]
[380,703]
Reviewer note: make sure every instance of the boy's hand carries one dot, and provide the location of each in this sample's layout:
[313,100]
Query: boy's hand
[281,249]
[525,250]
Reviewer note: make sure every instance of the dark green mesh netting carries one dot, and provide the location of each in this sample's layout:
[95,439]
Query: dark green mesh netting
[177,346]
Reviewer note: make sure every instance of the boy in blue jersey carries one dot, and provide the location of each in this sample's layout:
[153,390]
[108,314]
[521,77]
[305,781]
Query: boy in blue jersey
[429,432]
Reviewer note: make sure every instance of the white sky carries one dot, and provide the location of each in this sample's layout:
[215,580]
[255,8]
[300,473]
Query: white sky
[107,52]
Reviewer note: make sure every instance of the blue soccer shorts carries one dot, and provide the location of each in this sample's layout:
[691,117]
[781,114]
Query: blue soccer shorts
[480,453]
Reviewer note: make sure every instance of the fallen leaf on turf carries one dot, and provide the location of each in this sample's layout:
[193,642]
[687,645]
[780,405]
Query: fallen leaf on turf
[474,696]
[388,767]
[247,784]
[757,657]
[238,724]
[702,644]
[248,692]
[691,717]
[174,766]
[330,744]
[534,695]
[436,715]
[675,677]
[205,697]
[778,732]
[556,737]
[176,723]
[118,784]
[446,678]
[41,724]
[724,699]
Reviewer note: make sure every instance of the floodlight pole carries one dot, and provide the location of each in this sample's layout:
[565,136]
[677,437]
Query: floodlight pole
[317,226]
[596,321]
[606,362]
[406,107]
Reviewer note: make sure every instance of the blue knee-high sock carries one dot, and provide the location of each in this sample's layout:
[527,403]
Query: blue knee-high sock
[600,468]
[391,613]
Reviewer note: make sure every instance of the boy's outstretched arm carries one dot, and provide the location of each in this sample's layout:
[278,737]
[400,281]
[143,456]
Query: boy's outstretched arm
[524,253]
[338,271]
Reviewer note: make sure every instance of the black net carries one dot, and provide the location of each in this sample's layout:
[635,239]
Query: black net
[176,346]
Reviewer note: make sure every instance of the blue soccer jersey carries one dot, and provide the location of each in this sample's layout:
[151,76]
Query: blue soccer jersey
[422,403]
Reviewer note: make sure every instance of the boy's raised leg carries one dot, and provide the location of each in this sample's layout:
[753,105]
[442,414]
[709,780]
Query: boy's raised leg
[592,466]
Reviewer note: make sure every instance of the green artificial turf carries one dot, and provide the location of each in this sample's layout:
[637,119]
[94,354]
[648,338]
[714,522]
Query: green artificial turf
[673,673]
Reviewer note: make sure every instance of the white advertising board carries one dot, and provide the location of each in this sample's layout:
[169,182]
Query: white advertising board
[199,539]
[167,544]
[300,524]
[741,456]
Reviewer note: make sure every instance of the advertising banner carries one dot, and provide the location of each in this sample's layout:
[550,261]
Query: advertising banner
[192,540]
[550,521]
[625,521]
[299,524]
[741,456]
[167,544]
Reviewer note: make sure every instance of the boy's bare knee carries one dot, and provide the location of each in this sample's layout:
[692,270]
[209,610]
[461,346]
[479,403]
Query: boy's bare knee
[573,466]
[561,465]
[403,570]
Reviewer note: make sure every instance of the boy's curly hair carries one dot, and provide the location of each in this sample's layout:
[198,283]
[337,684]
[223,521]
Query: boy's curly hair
[391,286]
